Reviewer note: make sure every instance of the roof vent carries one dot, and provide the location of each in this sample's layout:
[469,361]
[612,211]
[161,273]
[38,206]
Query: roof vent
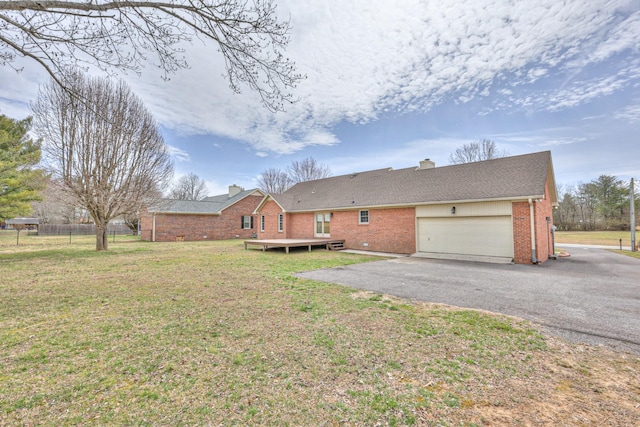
[427,164]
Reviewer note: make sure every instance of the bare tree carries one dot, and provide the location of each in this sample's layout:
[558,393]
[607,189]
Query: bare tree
[118,35]
[484,149]
[274,181]
[107,149]
[277,181]
[57,205]
[189,187]
[308,169]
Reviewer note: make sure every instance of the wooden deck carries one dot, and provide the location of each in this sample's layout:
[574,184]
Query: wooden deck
[292,243]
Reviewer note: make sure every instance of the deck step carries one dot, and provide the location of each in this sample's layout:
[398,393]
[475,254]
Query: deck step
[336,246]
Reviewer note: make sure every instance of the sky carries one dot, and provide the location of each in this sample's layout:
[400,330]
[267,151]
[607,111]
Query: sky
[389,83]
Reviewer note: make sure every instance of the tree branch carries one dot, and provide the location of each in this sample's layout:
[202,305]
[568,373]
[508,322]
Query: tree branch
[58,34]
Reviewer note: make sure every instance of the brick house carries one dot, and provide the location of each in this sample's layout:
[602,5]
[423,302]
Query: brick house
[226,216]
[498,209]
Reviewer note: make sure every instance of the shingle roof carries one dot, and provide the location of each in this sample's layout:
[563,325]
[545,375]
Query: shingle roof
[514,177]
[213,205]
[23,221]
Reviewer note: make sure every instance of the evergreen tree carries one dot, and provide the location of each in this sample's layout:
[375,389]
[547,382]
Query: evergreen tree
[20,180]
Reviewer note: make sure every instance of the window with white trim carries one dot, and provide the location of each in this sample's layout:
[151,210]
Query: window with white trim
[363,217]
[262,223]
[280,223]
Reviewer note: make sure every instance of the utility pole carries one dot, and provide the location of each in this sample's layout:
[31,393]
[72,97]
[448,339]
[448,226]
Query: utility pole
[633,218]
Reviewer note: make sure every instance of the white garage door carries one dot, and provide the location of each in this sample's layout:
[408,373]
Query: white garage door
[484,236]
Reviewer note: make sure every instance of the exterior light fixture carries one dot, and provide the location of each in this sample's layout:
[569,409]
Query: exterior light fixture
[453,210]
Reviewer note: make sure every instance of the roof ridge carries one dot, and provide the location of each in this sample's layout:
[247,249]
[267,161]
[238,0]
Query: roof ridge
[518,176]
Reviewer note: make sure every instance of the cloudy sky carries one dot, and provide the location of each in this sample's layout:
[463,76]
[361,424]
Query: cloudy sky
[389,83]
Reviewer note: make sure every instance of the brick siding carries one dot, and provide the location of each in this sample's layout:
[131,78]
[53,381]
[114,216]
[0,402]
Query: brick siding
[521,233]
[394,230]
[542,211]
[388,230]
[270,211]
[522,230]
[172,227]
[301,225]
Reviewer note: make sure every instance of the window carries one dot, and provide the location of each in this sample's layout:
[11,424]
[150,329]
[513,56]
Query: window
[247,222]
[280,222]
[364,217]
[262,223]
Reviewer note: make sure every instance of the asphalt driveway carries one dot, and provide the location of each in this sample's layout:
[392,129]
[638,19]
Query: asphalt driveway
[593,296]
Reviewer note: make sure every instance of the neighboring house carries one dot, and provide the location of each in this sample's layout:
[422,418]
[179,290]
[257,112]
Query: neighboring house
[226,216]
[22,223]
[500,208]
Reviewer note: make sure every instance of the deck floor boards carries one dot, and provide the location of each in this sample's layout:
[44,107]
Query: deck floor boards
[290,243]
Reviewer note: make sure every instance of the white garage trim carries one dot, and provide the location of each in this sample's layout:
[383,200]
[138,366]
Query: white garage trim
[475,236]
[465,209]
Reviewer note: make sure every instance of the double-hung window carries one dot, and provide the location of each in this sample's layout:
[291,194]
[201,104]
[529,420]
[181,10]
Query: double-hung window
[247,222]
[363,217]
[280,223]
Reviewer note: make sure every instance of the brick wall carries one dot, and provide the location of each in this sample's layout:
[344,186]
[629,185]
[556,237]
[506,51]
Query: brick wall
[145,225]
[521,233]
[301,225]
[393,230]
[296,226]
[522,230]
[270,210]
[542,210]
[389,230]
[172,227]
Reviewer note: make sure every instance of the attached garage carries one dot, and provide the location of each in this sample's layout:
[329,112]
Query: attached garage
[498,210]
[470,229]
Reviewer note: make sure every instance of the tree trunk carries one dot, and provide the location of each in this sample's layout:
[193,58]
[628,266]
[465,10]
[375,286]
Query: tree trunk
[102,238]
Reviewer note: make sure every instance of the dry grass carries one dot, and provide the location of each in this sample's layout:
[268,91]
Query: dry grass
[610,238]
[635,254]
[211,334]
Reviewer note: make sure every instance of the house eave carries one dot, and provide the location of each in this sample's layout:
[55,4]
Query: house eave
[410,205]
[184,213]
[242,198]
[264,200]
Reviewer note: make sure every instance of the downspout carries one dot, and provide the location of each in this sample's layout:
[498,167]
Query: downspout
[153,228]
[534,259]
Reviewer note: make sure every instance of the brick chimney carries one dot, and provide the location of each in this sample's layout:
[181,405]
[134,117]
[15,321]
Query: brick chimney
[427,164]
[234,189]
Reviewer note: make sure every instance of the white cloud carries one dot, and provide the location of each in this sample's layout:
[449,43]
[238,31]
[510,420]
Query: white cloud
[560,141]
[364,58]
[18,87]
[401,155]
[630,114]
[214,188]
[539,139]
[620,36]
[178,154]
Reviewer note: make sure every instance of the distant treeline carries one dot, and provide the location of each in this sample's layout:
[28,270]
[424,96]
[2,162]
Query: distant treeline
[602,204]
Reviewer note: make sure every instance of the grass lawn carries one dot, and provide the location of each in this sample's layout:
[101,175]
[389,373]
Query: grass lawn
[611,238]
[635,254]
[208,333]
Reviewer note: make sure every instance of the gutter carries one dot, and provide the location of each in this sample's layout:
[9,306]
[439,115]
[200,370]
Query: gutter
[153,228]
[534,259]
[412,204]
[217,213]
